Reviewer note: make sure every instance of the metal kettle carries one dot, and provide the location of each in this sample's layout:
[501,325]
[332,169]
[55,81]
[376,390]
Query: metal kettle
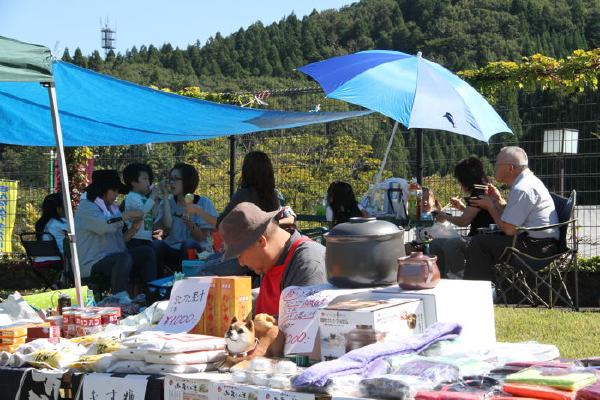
[418,271]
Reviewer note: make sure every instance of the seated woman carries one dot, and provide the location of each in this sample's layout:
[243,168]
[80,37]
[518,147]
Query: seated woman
[342,204]
[451,252]
[256,186]
[100,238]
[187,222]
[53,222]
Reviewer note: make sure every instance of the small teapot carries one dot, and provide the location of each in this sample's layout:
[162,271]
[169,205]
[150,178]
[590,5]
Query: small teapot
[418,271]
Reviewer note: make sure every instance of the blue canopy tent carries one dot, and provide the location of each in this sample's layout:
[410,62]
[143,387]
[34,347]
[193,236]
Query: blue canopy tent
[99,110]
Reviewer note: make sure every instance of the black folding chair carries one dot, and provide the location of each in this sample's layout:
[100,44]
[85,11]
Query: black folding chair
[530,278]
[46,271]
[97,283]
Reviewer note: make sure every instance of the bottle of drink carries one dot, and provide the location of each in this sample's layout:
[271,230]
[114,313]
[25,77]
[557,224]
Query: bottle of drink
[414,202]
[64,300]
[148,221]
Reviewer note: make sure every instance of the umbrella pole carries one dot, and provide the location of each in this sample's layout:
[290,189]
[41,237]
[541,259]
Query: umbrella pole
[385,156]
[65,191]
[419,133]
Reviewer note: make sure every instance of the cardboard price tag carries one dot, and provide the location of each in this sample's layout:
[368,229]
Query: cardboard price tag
[186,305]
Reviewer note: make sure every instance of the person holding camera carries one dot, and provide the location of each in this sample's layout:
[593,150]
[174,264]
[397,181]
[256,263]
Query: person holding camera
[471,176]
[529,205]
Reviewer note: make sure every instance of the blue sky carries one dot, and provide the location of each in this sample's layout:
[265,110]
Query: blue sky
[76,23]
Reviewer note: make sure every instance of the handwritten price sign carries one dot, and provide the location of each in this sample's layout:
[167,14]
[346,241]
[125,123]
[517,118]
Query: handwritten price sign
[298,315]
[186,305]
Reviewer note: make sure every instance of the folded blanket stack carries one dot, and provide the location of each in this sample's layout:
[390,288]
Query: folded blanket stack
[361,361]
[160,353]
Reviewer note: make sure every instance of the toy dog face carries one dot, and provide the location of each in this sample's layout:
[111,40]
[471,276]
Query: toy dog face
[240,337]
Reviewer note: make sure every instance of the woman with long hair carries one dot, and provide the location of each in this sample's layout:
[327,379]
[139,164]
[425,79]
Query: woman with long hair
[52,221]
[342,203]
[256,185]
[469,173]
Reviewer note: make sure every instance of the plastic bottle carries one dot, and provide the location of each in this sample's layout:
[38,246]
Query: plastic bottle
[148,221]
[414,201]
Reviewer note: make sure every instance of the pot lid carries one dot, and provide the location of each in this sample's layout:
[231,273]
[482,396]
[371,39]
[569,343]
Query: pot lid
[359,226]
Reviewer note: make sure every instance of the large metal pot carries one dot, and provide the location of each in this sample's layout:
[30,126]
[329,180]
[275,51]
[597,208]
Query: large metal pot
[363,253]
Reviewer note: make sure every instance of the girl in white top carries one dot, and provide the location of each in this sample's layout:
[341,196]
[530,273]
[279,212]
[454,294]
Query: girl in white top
[53,222]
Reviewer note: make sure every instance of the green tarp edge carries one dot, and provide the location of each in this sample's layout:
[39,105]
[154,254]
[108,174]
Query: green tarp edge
[24,62]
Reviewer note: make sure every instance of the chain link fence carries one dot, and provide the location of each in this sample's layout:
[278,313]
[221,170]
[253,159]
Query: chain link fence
[307,159]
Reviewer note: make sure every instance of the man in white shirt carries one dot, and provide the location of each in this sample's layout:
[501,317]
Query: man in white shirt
[529,205]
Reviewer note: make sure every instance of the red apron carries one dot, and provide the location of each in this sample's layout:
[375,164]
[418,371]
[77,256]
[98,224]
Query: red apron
[270,286]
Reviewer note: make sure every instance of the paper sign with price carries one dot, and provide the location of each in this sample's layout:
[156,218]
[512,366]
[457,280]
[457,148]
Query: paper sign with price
[186,305]
[298,314]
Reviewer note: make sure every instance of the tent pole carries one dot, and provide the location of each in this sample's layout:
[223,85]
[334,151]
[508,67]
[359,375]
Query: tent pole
[387,151]
[419,133]
[231,165]
[65,190]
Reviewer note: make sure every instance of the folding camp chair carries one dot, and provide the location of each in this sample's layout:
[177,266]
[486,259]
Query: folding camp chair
[97,283]
[46,263]
[530,278]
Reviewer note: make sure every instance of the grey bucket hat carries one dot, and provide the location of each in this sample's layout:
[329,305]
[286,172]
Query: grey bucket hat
[243,226]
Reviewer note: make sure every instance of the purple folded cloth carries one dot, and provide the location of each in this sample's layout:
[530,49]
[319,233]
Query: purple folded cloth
[360,360]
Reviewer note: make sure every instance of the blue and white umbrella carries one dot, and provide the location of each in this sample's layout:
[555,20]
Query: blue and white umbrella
[409,89]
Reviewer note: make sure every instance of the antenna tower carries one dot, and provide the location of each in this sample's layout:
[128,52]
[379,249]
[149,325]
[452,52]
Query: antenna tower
[108,36]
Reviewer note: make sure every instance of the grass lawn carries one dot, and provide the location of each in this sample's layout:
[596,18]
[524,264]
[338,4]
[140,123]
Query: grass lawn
[576,334]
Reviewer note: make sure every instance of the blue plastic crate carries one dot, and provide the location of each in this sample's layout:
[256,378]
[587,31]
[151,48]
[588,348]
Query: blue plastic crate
[160,289]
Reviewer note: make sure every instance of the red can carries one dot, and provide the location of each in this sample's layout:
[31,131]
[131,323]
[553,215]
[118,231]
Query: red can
[109,317]
[90,323]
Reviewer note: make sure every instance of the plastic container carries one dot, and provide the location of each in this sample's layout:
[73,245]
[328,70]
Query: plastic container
[159,289]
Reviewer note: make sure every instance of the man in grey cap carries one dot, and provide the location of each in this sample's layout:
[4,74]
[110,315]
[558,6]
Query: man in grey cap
[282,258]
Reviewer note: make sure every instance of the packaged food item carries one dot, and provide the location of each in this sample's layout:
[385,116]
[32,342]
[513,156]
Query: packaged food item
[41,332]
[106,345]
[89,363]
[560,378]
[109,317]
[18,330]
[10,348]
[51,359]
[192,357]
[89,323]
[591,392]
[175,343]
[13,340]
[394,387]
[537,391]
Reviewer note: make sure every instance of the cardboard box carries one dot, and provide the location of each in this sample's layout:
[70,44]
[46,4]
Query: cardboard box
[356,322]
[19,330]
[39,332]
[234,298]
[200,386]
[13,340]
[468,303]
[10,348]
[208,324]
